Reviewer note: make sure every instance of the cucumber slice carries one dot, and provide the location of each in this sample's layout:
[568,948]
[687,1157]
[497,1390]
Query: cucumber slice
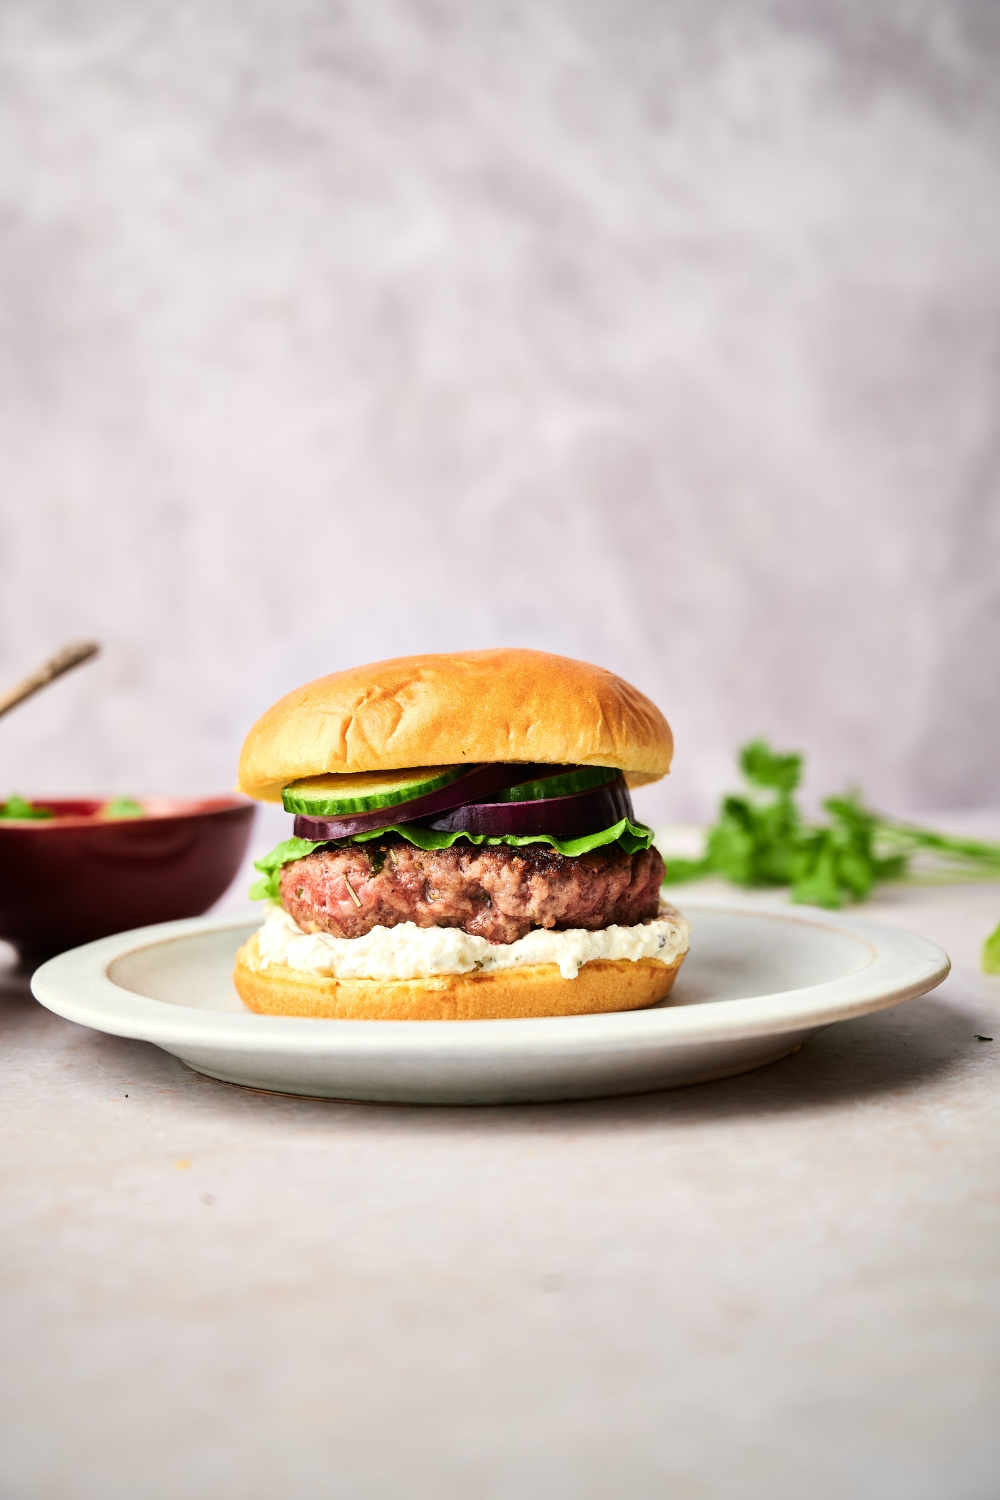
[564,781]
[364,791]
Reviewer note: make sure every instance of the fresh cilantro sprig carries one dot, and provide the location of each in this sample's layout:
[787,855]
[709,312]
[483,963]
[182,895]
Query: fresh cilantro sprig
[761,839]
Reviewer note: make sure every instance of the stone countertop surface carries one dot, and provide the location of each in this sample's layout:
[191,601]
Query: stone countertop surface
[779,1285]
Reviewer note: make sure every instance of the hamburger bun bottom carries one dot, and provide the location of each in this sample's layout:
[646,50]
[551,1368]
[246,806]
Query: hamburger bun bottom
[501,995]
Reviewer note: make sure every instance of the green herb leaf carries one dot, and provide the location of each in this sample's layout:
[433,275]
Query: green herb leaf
[123,807]
[17,807]
[991,953]
[763,767]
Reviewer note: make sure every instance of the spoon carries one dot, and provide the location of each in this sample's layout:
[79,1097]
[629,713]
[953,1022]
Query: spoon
[63,661]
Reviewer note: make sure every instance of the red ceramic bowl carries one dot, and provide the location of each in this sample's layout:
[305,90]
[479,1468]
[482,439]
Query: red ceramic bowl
[76,876]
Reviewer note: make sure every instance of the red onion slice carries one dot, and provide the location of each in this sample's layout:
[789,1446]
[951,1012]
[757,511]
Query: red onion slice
[478,781]
[563,817]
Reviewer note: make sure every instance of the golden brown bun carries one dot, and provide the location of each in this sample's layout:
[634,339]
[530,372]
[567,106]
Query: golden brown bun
[504,994]
[469,706]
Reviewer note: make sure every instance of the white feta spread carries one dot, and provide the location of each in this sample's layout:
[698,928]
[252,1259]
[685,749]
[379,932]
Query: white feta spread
[411,952]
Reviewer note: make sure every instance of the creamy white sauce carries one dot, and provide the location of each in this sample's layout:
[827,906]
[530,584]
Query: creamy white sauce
[412,952]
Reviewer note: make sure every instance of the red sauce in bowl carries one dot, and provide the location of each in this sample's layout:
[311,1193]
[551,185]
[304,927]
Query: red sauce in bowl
[81,875]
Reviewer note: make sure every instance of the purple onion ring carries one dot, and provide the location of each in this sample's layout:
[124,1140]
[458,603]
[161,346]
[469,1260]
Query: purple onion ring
[478,781]
[563,817]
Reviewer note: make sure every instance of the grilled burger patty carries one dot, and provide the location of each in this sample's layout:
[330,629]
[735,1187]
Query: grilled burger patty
[495,892]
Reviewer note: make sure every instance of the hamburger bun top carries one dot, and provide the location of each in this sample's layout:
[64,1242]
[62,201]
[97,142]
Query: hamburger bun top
[469,706]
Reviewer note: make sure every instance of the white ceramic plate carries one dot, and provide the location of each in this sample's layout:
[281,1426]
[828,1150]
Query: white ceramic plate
[757,982]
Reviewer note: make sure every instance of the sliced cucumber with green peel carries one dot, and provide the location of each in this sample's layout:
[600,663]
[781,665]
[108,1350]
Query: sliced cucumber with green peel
[341,796]
[564,781]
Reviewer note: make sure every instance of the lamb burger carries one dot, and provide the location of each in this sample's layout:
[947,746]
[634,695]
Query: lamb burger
[464,845]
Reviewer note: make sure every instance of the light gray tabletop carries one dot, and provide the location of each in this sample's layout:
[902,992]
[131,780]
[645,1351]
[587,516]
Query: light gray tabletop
[782,1285]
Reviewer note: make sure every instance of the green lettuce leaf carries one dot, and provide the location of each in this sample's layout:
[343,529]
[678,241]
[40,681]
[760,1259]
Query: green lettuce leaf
[630,836]
[267,888]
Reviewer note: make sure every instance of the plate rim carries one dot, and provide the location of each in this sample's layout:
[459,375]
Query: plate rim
[76,986]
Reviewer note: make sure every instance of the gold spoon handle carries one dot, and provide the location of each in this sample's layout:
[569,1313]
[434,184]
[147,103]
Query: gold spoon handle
[63,661]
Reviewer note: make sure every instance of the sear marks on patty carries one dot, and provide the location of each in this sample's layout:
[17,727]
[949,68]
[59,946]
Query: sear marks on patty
[494,892]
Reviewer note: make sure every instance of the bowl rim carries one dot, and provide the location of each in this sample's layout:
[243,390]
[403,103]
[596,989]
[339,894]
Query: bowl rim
[165,809]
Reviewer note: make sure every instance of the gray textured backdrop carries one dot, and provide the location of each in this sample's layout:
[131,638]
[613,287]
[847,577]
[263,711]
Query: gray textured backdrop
[666,335]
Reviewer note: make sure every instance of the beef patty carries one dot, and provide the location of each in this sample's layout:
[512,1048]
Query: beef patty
[494,891]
